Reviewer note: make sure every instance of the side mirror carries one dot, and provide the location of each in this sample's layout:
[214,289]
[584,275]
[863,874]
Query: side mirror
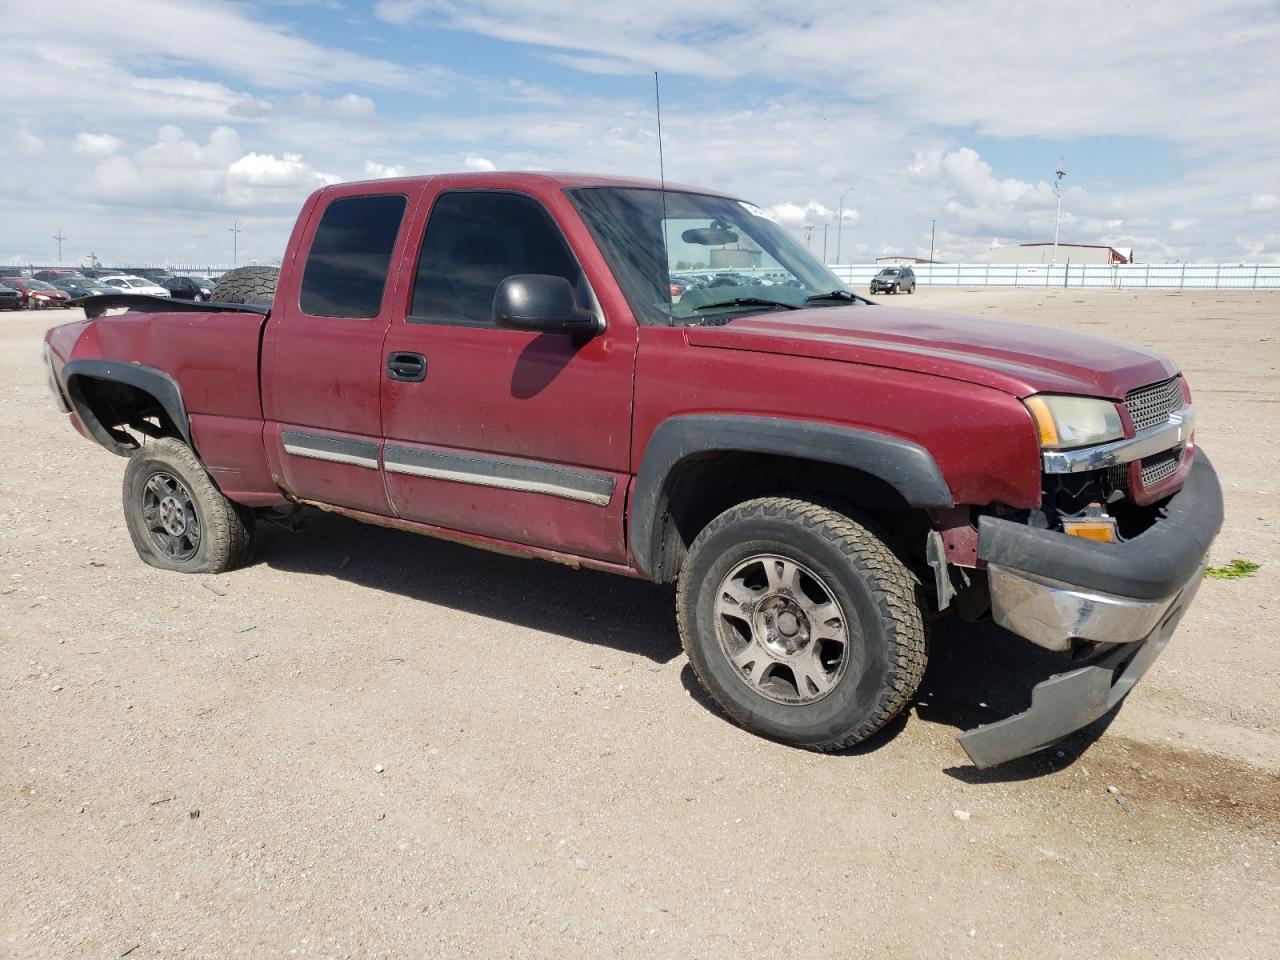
[538,301]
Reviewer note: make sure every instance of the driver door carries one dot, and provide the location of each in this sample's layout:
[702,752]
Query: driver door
[512,434]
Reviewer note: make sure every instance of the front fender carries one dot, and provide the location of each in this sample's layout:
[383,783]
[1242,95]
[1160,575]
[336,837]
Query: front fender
[905,466]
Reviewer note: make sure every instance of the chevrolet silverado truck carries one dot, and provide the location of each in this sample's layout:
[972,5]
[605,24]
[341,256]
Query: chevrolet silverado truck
[498,359]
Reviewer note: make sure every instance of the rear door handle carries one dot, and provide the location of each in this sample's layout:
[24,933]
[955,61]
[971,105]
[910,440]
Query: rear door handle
[409,367]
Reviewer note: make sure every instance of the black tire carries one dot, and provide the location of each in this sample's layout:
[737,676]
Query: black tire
[252,285]
[886,646]
[217,535]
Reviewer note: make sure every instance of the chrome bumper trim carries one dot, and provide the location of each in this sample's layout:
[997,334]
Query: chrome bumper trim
[1054,615]
[1177,430]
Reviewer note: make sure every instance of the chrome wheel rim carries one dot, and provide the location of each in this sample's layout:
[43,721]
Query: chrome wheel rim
[782,629]
[169,513]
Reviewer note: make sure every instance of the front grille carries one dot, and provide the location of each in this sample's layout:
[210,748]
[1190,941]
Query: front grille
[1118,476]
[1151,406]
[1152,469]
[1161,466]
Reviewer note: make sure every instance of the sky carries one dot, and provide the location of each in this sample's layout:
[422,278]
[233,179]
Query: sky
[143,130]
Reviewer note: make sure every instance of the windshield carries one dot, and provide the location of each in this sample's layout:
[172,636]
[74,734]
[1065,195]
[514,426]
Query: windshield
[40,285]
[888,273]
[688,257]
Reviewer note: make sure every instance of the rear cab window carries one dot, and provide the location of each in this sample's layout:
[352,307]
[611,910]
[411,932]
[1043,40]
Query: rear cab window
[346,270]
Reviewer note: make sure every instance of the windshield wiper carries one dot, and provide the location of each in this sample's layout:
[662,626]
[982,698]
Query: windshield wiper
[844,295]
[746,302]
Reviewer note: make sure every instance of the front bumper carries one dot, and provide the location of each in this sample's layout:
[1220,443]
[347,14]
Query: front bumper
[1057,591]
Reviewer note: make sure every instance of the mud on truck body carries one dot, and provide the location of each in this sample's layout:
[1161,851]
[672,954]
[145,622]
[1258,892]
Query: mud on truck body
[500,359]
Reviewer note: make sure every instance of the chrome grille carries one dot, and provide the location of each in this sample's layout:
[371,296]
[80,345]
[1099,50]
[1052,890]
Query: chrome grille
[1151,406]
[1160,466]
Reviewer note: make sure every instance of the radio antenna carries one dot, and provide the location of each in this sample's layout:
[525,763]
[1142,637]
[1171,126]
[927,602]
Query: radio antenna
[662,176]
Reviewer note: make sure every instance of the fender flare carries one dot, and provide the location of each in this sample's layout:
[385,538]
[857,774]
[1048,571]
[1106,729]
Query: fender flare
[155,382]
[904,465]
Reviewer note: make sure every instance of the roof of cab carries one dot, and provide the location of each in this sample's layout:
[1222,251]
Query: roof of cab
[527,179]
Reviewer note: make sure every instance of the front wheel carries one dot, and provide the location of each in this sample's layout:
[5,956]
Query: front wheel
[177,517]
[801,623]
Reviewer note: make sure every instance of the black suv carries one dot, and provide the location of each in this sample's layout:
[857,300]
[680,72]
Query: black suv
[894,280]
[185,288]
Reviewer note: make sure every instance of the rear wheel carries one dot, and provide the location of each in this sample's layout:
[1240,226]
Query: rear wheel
[801,623]
[177,517]
[250,285]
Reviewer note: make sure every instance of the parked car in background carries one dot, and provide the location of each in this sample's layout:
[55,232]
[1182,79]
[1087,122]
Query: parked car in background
[131,284]
[894,280]
[187,288]
[77,287]
[51,274]
[154,274]
[10,299]
[36,293]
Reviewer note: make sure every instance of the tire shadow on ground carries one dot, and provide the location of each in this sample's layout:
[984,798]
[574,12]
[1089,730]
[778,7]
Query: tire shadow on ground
[977,673]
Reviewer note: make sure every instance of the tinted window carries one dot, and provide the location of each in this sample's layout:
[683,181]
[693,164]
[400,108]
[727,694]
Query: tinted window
[473,242]
[347,267]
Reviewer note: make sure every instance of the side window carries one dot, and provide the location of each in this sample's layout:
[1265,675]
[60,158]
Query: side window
[474,241]
[346,268]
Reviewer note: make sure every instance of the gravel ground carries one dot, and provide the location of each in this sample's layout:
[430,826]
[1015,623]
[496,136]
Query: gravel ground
[374,744]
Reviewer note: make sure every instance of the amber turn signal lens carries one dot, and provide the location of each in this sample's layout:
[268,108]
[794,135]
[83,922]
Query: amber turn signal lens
[1101,529]
[1044,421]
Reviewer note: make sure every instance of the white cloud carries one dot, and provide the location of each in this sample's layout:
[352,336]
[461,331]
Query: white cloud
[1178,224]
[96,144]
[266,170]
[1264,203]
[479,164]
[812,213]
[381,171]
[350,106]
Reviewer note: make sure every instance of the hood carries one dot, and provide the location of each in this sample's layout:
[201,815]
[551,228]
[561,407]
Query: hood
[1014,357]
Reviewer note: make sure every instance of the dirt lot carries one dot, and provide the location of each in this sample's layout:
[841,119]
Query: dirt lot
[190,765]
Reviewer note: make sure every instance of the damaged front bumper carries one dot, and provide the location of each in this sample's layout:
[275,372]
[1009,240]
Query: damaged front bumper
[1059,591]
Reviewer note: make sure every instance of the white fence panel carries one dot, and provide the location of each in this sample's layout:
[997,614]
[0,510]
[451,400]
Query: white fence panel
[1141,276]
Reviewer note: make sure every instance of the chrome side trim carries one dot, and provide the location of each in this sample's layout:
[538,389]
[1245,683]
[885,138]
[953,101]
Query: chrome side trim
[314,446]
[1053,615]
[504,474]
[1176,431]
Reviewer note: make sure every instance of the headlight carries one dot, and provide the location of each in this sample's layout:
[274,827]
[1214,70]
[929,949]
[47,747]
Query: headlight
[1066,422]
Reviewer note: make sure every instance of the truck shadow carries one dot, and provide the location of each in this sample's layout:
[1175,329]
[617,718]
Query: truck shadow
[632,616]
[977,673]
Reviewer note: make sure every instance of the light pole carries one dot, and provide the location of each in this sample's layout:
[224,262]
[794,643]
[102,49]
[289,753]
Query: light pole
[808,237]
[840,222]
[933,227]
[825,226]
[59,237]
[235,232]
[1057,220]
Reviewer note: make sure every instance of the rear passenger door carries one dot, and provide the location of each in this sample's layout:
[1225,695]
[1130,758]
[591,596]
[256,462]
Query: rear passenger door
[512,434]
[322,357]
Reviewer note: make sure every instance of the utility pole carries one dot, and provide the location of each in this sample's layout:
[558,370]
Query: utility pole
[840,222]
[932,230]
[235,232]
[59,237]
[1057,220]
[824,241]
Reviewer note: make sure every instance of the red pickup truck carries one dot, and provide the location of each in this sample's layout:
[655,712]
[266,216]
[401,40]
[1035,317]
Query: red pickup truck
[529,363]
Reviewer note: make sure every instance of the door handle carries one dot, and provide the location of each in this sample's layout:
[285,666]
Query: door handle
[409,367]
